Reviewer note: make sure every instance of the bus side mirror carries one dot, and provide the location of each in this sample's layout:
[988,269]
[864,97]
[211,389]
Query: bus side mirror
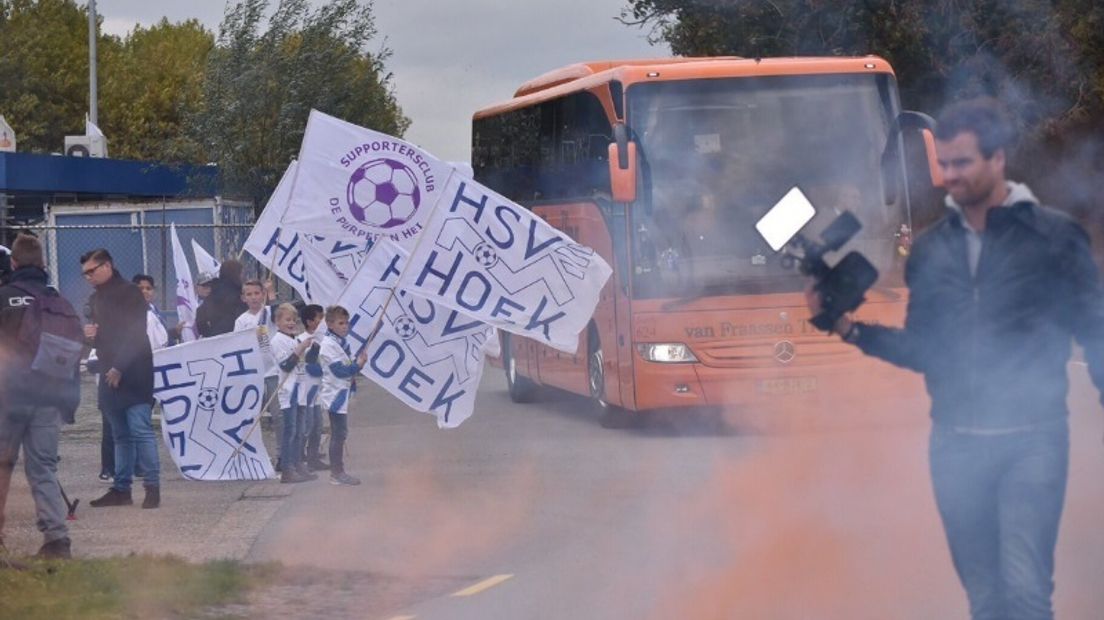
[933,160]
[915,124]
[622,165]
[622,178]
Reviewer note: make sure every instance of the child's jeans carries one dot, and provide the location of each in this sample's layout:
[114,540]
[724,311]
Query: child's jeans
[339,431]
[314,432]
[291,437]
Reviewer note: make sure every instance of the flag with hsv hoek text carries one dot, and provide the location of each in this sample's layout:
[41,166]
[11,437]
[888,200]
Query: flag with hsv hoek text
[426,355]
[357,185]
[280,249]
[493,260]
[211,392]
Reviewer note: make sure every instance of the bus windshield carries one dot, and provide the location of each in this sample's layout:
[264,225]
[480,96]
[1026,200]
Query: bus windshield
[717,154]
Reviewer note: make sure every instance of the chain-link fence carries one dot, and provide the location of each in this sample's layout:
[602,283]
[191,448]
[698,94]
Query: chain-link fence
[139,238]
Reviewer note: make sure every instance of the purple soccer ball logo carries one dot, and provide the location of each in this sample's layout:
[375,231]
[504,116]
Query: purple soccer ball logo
[383,193]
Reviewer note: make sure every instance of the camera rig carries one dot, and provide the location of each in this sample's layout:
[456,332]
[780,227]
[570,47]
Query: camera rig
[842,287]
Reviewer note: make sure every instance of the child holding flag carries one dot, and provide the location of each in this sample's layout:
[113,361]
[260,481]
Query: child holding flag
[311,384]
[338,384]
[288,351]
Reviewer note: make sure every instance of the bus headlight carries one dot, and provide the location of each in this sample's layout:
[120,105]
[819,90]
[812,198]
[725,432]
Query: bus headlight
[666,352]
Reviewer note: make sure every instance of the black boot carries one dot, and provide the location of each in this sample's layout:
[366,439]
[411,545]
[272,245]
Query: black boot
[153,497]
[54,550]
[113,497]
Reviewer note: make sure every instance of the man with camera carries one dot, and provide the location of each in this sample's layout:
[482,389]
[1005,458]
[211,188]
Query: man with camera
[998,289]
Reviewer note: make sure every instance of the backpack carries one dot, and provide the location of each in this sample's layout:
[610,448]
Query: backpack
[52,330]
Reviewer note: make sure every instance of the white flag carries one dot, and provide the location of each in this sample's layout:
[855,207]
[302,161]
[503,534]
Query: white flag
[429,357]
[91,129]
[326,278]
[280,249]
[205,263]
[186,302]
[358,184]
[211,393]
[496,261]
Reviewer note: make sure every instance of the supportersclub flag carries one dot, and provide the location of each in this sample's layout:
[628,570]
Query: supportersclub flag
[186,302]
[491,259]
[428,356]
[211,394]
[357,184]
[280,248]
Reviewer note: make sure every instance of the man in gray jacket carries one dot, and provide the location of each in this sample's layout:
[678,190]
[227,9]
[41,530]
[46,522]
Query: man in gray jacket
[998,289]
[30,409]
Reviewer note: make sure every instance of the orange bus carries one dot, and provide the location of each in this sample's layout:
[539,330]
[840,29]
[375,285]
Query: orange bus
[664,166]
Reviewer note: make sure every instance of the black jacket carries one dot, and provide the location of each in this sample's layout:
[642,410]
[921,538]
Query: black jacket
[994,347]
[217,313]
[16,385]
[121,343]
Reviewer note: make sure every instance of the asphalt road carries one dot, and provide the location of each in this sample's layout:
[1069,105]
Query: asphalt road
[534,511]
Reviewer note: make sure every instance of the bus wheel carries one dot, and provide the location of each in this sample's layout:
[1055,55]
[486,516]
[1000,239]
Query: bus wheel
[521,389]
[610,416]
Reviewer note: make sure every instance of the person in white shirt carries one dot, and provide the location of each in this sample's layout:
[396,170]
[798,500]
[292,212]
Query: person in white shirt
[289,352]
[258,315]
[155,324]
[311,384]
[338,374]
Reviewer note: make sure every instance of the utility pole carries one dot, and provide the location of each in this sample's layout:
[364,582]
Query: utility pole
[93,108]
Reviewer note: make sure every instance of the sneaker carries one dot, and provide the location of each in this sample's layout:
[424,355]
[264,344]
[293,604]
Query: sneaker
[305,473]
[106,478]
[54,550]
[317,465]
[153,497]
[113,497]
[344,479]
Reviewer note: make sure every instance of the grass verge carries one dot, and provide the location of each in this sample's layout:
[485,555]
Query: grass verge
[127,587]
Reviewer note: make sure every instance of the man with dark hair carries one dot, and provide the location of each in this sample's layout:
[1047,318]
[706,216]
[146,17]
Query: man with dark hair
[998,289]
[118,332]
[31,409]
[217,313]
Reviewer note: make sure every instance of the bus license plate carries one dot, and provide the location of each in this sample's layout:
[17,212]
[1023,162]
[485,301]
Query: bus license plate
[787,385]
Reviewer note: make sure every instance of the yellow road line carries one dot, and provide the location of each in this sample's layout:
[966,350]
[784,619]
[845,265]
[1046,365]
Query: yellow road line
[482,585]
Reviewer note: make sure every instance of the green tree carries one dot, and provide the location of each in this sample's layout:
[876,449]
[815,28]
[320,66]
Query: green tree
[44,70]
[1019,50]
[261,85]
[150,84]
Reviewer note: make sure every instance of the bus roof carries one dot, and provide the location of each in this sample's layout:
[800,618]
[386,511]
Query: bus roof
[587,75]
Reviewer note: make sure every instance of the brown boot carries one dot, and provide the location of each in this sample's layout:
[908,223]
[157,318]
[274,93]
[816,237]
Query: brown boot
[153,497]
[113,497]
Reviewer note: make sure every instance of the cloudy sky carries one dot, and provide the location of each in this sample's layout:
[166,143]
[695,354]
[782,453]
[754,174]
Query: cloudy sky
[452,58]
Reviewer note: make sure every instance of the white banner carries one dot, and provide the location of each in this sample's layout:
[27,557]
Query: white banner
[281,249]
[326,278]
[205,263]
[186,302]
[211,393]
[358,184]
[496,261]
[429,357]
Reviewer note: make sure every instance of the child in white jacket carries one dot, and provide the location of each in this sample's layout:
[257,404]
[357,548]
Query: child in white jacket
[338,384]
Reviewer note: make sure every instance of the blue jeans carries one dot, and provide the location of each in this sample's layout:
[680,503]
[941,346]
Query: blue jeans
[135,440]
[314,432]
[1000,498]
[293,435]
[339,431]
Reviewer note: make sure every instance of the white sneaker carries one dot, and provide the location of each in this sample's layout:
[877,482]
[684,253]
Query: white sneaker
[344,479]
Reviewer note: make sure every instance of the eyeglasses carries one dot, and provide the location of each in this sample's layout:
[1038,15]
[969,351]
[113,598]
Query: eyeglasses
[88,272]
